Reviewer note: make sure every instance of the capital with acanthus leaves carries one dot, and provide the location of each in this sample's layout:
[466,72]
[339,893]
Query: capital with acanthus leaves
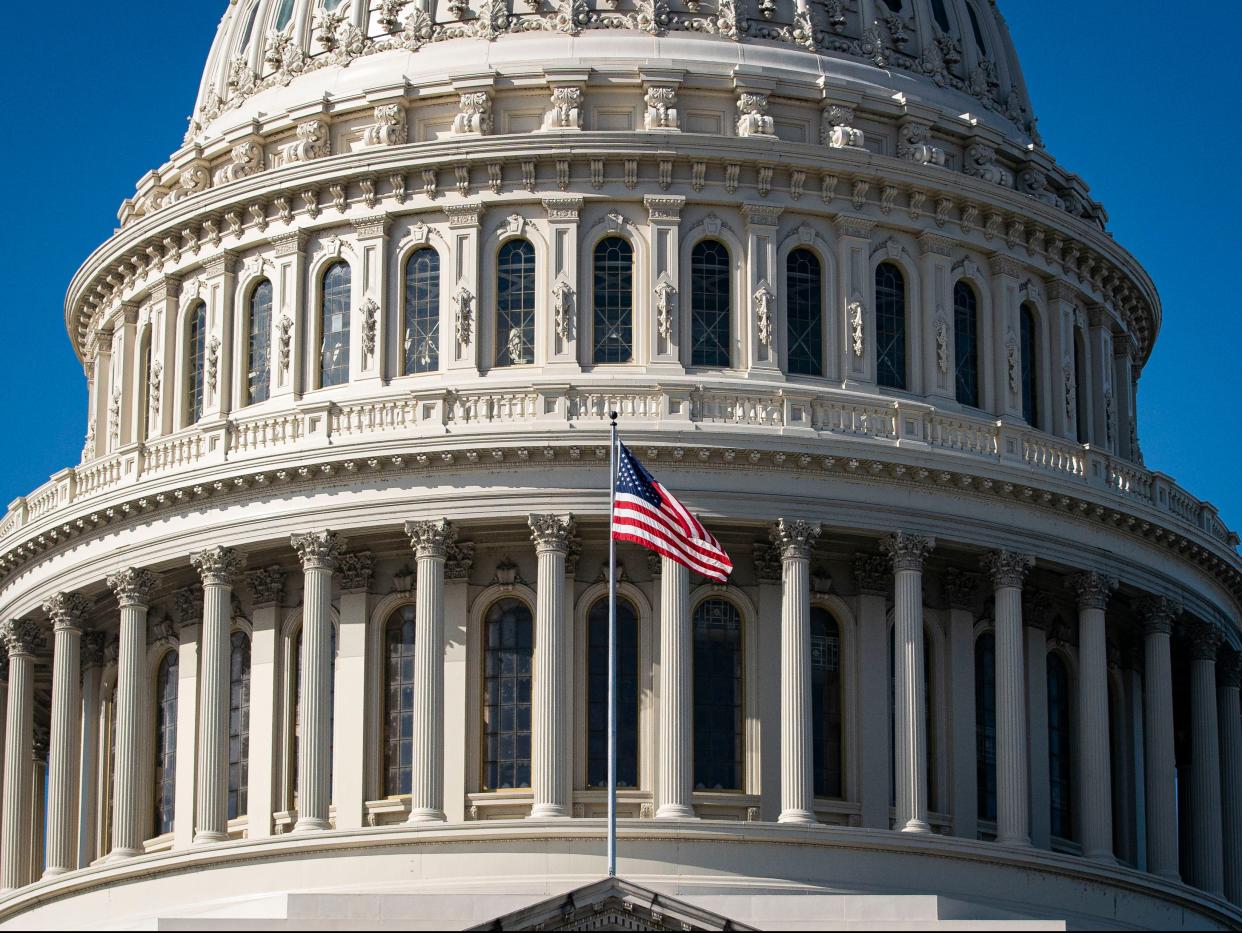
[23,637]
[66,611]
[431,539]
[318,550]
[551,532]
[795,539]
[1158,614]
[133,587]
[218,565]
[1007,568]
[907,551]
[1093,589]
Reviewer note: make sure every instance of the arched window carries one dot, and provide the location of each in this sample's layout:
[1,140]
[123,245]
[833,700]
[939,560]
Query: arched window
[1080,389]
[942,15]
[710,303]
[614,301]
[165,742]
[627,695]
[890,326]
[1061,784]
[196,355]
[717,696]
[985,725]
[1030,365]
[249,30]
[239,723]
[515,303]
[284,14]
[399,702]
[259,344]
[966,343]
[978,30]
[804,286]
[145,388]
[422,311]
[334,324]
[507,663]
[826,703]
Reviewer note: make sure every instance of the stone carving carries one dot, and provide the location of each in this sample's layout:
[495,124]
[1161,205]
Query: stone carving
[661,113]
[872,574]
[463,319]
[474,114]
[961,589]
[133,586]
[1092,589]
[114,419]
[551,532]
[267,586]
[942,346]
[1158,613]
[1034,183]
[66,610]
[459,561]
[914,144]
[284,330]
[794,540]
[218,565]
[213,362]
[356,569]
[23,637]
[192,180]
[318,550]
[855,314]
[1109,417]
[313,142]
[981,163]
[1071,391]
[566,110]
[389,128]
[188,604]
[1015,367]
[836,129]
[1203,638]
[245,160]
[431,538]
[1006,568]
[563,309]
[370,315]
[93,650]
[666,306]
[765,312]
[753,119]
[907,551]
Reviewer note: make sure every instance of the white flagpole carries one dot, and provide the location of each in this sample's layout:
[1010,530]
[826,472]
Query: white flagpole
[612,658]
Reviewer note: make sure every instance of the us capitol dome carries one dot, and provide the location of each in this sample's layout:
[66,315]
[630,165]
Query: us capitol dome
[313,633]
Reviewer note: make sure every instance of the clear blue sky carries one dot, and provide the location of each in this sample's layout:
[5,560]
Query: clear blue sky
[1127,98]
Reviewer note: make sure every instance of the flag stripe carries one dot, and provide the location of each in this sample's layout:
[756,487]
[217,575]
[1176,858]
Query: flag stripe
[638,536]
[629,505]
[654,532]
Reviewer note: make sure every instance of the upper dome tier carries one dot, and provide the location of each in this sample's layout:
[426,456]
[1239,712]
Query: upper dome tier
[955,55]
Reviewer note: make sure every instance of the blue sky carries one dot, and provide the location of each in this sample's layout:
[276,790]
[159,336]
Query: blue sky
[99,96]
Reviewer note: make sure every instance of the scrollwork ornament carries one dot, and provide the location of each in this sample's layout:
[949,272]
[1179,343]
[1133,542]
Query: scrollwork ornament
[765,312]
[463,318]
[285,331]
[961,589]
[855,313]
[795,539]
[431,539]
[872,573]
[551,532]
[907,551]
[133,586]
[1092,589]
[318,550]
[1006,568]
[1203,638]
[370,315]
[66,610]
[356,569]
[267,585]
[942,346]
[666,307]
[1158,614]
[218,565]
[563,309]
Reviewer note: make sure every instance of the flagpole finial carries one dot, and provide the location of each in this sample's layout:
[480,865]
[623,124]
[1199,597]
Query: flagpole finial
[612,416]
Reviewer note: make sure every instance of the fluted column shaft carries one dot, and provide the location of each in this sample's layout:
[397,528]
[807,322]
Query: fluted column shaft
[1205,803]
[1160,763]
[1096,820]
[319,553]
[66,611]
[21,639]
[549,762]
[1229,719]
[1007,571]
[675,761]
[92,651]
[430,540]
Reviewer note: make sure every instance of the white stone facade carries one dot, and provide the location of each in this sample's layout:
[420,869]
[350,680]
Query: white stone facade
[351,355]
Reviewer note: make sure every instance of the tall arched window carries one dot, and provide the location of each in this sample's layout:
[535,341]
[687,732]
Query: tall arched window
[239,723]
[145,389]
[614,301]
[196,355]
[717,696]
[248,32]
[826,703]
[259,344]
[399,702]
[1061,783]
[985,725]
[890,326]
[165,742]
[627,695]
[966,343]
[1030,365]
[507,664]
[422,311]
[1080,389]
[710,304]
[942,15]
[978,30]
[284,14]
[804,286]
[515,303]
[334,324]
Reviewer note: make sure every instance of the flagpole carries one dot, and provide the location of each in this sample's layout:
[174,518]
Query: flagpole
[612,656]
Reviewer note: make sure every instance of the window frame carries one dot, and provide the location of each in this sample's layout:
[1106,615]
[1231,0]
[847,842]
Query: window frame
[822,325]
[592,350]
[729,303]
[432,310]
[320,319]
[481,720]
[499,349]
[975,314]
[904,339]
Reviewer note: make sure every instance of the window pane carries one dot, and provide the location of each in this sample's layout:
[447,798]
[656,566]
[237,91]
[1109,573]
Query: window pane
[399,707]
[627,695]
[507,694]
[1030,371]
[805,290]
[709,304]
[239,723]
[334,340]
[826,702]
[985,725]
[890,326]
[196,354]
[258,384]
[966,343]
[1061,785]
[614,301]
[165,743]
[717,696]
[515,304]
[421,339]
[1080,390]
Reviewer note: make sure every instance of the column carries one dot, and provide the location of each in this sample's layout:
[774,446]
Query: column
[675,783]
[267,590]
[1229,718]
[1158,613]
[1006,350]
[935,350]
[22,639]
[319,552]
[430,541]
[872,576]
[1037,618]
[664,228]
[1207,856]
[457,668]
[767,670]
[217,566]
[795,540]
[349,708]
[1007,571]
[133,588]
[66,612]
[1094,771]
[187,779]
[907,552]
[549,764]
[374,335]
[961,590]
[557,334]
[92,659]
[41,741]
[760,318]
[854,329]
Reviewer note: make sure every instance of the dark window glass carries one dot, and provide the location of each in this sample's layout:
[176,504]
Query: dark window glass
[1062,790]
[627,695]
[804,287]
[717,696]
[710,302]
[422,312]
[515,303]
[1080,391]
[966,343]
[985,725]
[197,355]
[614,301]
[507,665]
[941,14]
[259,347]
[974,25]
[165,743]
[894,5]
[145,414]
[826,703]
[890,326]
[284,14]
[399,701]
[1030,368]
[245,42]
[334,340]
[239,723]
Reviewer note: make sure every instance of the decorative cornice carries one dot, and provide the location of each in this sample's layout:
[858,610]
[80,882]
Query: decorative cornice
[551,532]
[431,539]
[1092,589]
[133,587]
[907,551]
[67,611]
[318,550]
[1006,568]
[218,566]
[794,540]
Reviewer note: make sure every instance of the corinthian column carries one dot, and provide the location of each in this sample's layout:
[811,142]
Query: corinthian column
[1095,772]
[1229,716]
[66,612]
[794,540]
[133,588]
[910,710]
[217,567]
[430,541]
[319,552]
[92,658]
[1158,613]
[22,639]
[549,766]
[1205,809]
[1007,571]
[675,762]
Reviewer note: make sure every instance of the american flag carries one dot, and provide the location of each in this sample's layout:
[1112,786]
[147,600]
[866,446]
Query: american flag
[648,514]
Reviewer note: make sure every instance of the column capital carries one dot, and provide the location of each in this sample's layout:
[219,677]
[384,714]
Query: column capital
[66,611]
[795,539]
[961,588]
[318,550]
[907,551]
[23,637]
[459,560]
[871,573]
[551,532]
[1204,639]
[431,538]
[188,605]
[1229,667]
[1006,568]
[767,561]
[1038,613]
[1092,589]
[93,650]
[1158,614]
[218,565]
[267,586]
[356,568]
[133,586]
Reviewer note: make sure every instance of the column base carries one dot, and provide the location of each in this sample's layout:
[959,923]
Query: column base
[1019,841]
[548,811]
[204,838]
[1104,858]
[917,826]
[120,855]
[798,818]
[54,872]
[675,811]
[311,826]
[425,815]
